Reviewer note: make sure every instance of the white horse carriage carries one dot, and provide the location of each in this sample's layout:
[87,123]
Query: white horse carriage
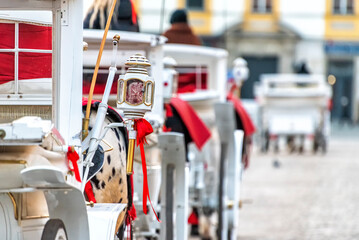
[294,107]
[216,170]
[37,201]
[170,144]
[150,46]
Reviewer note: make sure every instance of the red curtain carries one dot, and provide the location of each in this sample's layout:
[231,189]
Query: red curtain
[7,67]
[7,33]
[35,37]
[31,65]
[187,82]
[35,65]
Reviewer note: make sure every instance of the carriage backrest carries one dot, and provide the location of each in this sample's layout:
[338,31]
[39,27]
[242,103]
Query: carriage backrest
[52,87]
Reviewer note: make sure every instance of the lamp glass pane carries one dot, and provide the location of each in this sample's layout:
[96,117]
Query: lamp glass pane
[149,90]
[134,92]
[120,91]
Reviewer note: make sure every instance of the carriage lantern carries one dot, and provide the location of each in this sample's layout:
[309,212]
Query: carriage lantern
[135,94]
[240,71]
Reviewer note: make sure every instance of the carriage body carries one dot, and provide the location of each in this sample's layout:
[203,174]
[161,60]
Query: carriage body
[202,83]
[150,46]
[293,105]
[216,169]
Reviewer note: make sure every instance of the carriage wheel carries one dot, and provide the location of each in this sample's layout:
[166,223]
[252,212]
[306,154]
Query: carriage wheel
[54,230]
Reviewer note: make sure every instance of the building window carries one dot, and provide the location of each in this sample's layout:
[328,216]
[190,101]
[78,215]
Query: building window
[262,6]
[343,7]
[195,5]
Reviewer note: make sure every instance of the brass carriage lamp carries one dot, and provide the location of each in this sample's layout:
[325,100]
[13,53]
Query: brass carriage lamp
[135,95]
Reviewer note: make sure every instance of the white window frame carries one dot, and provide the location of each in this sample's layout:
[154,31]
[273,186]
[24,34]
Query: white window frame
[17,98]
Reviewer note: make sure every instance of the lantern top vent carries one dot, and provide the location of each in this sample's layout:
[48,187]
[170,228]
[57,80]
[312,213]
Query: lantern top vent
[138,60]
[137,64]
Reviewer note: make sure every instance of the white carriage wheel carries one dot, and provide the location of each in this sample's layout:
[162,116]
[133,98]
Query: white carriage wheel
[54,230]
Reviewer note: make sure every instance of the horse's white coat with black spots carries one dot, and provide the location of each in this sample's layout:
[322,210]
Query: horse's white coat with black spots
[110,183]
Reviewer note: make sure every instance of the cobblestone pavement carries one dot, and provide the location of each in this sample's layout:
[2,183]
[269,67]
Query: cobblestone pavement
[314,197]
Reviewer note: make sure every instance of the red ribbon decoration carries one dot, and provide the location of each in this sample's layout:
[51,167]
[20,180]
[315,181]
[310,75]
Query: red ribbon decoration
[143,129]
[197,129]
[248,125]
[89,192]
[72,157]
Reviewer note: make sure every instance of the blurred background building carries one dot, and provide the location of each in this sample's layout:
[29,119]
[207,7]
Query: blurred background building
[276,36]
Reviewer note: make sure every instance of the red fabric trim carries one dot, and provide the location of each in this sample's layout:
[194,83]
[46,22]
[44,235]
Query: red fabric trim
[35,37]
[248,125]
[169,112]
[89,192]
[7,67]
[35,65]
[7,33]
[85,100]
[196,127]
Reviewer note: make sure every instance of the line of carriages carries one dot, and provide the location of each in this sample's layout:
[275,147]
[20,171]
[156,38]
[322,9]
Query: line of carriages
[42,199]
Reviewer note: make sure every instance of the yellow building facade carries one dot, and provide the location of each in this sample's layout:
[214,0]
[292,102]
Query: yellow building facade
[275,36]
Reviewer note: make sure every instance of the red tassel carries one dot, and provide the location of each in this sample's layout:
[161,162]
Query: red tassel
[143,129]
[72,157]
